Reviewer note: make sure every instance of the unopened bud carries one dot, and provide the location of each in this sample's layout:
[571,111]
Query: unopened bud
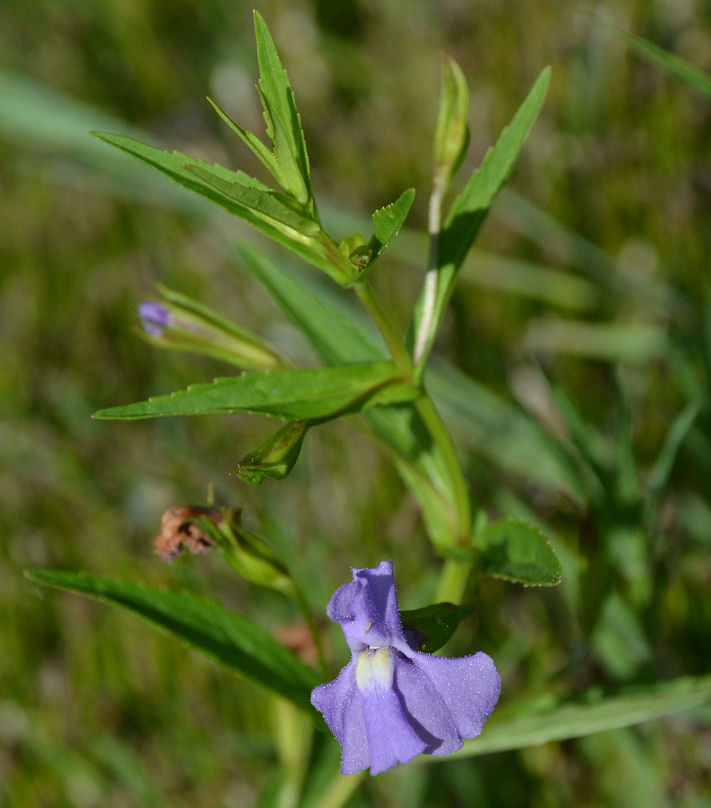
[154,317]
[182,324]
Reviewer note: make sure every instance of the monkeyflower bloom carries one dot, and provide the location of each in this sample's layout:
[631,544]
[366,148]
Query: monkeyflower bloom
[391,702]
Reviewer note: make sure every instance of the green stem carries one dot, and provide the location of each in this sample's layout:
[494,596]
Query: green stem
[428,326]
[396,346]
[293,735]
[453,581]
[455,574]
[340,790]
[460,490]
[426,409]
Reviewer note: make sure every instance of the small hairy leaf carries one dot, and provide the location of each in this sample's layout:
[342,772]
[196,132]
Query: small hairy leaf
[388,220]
[276,457]
[229,638]
[292,394]
[516,551]
[434,625]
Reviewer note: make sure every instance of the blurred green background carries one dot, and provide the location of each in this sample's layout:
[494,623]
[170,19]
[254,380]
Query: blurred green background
[590,276]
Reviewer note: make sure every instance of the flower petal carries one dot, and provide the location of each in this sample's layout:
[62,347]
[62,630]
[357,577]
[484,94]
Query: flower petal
[154,316]
[424,708]
[469,687]
[340,702]
[391,738]
[367,608]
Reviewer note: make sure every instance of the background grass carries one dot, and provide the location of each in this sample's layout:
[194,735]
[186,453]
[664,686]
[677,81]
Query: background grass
[591,275]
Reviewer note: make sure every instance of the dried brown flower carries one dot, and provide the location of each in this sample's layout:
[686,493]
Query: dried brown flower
[180,533]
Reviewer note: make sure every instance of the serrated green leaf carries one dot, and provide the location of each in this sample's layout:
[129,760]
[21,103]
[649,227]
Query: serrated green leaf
[229,638]
[291,394]
[282,119]
[338,338]
[434,625]
[277,209]
[276,457]
[516,551]
[180,168]
[586,714]
[451,134]
[174,163]
[470,208]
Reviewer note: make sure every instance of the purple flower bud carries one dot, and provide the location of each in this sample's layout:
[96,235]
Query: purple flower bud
[390,702]
[154,317]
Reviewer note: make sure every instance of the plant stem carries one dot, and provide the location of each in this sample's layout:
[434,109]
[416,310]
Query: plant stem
[425,408]
[424,336]
[455,574]
[396,346]
[340,790]
[293,733]
[460,490]
[453,581]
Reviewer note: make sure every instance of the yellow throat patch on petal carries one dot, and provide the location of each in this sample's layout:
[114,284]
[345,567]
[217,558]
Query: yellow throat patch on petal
[374,669]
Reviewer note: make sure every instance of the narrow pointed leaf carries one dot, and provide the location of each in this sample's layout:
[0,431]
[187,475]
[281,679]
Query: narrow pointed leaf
[292,394]
[470,208]
[586,714]
[267,204]
[177,166]
[227,637]
[679,68]
[173,163]
[516,551]
[676,435]
[276,457]
[283,123]
[261,151]
[335,336]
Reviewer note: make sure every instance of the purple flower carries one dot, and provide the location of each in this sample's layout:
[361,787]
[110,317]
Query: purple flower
[390,702]
[154,317]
